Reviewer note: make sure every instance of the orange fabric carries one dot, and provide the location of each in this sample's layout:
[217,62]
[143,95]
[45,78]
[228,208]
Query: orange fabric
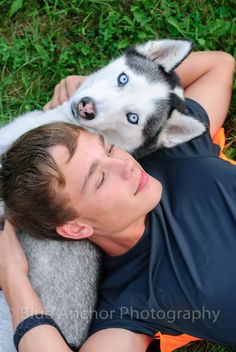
[169,343]
[219,139]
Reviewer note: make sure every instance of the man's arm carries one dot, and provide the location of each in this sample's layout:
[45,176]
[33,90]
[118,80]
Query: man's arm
[23,302]
[21,297]
[46,338]
[116,340]
[207,77]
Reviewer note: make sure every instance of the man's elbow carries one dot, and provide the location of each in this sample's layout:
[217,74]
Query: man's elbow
[223,70]
[225,61]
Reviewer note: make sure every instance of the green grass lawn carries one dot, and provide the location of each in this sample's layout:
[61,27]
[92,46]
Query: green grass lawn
[41,42]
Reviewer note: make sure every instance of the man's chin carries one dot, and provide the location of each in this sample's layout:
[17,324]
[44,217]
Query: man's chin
[156,193]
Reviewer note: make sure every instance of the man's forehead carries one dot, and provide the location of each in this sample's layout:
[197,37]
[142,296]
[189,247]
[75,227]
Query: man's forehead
[60,153]
[88,137]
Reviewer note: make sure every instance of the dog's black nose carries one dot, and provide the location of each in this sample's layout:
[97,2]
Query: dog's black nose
[86,108]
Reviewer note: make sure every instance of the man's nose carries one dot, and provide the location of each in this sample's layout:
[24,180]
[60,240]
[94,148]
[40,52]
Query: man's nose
[122,167]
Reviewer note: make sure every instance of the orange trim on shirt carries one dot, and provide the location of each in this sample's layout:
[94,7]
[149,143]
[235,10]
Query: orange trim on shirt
[169,343]
[219,139]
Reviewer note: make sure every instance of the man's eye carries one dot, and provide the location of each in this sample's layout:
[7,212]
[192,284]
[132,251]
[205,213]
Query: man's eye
[110,150]
[103,173]
[102,180]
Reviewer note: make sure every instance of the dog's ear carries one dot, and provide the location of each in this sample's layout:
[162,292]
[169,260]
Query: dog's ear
[168,53]
[179,129]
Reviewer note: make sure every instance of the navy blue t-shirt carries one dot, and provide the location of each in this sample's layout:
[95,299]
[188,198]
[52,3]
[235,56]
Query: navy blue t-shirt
[180,276]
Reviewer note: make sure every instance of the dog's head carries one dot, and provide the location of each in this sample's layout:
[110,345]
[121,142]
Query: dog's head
[130,100]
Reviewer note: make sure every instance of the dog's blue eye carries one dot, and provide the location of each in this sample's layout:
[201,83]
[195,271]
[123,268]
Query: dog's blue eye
[132,118]
[122,79]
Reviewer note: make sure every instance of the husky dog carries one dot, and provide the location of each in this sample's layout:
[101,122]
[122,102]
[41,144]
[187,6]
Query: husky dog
[137,103]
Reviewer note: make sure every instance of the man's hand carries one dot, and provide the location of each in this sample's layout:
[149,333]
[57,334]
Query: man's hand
[12,257]
[64,90]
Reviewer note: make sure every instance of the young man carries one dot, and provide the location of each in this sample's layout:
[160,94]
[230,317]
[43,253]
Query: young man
[168,232]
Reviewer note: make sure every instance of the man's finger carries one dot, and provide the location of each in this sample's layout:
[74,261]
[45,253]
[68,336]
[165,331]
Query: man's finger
[73,83]
[47,106]
[54,101]
[55,98]
[62,92]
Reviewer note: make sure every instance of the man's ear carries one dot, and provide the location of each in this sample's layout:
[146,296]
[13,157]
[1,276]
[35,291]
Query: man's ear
[75,230]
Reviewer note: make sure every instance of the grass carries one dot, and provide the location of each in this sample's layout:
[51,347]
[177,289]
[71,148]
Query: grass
[203,346]
[41,42]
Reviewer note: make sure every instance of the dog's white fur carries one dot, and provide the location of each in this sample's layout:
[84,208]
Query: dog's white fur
[65,274]
[146,88]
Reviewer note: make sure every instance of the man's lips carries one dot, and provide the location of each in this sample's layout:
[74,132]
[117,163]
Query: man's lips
[142,182]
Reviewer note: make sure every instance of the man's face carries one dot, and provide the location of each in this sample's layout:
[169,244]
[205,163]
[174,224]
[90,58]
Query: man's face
[106,185]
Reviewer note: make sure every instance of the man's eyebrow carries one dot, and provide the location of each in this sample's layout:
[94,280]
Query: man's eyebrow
[101,139]
[95,164]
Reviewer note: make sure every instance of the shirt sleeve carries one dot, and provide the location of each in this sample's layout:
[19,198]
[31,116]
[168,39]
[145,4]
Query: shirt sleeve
[106,317]
[197,111]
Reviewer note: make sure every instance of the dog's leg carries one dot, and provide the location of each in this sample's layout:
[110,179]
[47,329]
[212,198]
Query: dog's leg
[10,132]
[30,120]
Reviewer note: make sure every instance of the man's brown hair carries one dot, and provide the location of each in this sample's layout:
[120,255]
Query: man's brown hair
[31,184]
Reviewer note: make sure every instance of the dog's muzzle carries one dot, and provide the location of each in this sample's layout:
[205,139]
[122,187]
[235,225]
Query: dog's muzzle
[85,109]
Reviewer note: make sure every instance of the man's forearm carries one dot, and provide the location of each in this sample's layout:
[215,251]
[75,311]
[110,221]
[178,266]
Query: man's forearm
[196,65]
[207,77]
[21,298]
[23,302]
[193,67]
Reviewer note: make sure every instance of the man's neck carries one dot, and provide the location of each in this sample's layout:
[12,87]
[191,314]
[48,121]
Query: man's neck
[120,242]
